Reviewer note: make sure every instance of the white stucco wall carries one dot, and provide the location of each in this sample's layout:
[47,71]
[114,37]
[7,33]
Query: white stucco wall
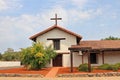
[66,60]
[64,44]
[56,33]
[109,57]
[9,63]
[77,59]
[112,57]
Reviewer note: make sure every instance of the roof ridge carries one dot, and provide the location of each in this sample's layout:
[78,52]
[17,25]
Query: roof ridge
[100,40]
[51,28]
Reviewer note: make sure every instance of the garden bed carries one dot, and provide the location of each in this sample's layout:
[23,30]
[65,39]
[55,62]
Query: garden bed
[62,72]
[65,72]
[24,72]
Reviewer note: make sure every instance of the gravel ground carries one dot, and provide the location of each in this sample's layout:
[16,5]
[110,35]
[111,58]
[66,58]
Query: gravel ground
[4,68]
[83,78]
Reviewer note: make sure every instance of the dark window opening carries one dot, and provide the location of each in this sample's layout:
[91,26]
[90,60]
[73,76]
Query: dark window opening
[56,44]
[93,58]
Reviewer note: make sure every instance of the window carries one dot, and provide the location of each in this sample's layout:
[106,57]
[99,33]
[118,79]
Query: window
[93,58]
[56,44]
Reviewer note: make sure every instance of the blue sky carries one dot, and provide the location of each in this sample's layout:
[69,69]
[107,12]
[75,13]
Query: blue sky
[93,19]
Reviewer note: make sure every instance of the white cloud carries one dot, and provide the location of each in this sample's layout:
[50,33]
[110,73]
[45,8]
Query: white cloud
[84,15]
[114,15]
[15,31]
[79,3]
[3,5]
[61,12]
[9,4]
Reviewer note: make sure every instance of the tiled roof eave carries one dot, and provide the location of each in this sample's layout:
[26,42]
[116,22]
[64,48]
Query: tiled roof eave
[77,48]
[53,27]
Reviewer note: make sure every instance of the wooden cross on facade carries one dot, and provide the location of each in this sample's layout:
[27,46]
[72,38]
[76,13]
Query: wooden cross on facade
[56,18]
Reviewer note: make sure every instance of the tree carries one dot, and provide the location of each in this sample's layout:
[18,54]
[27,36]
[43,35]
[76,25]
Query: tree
[36,56]
[0,56]
[10,56]
[9,50]
[111,38]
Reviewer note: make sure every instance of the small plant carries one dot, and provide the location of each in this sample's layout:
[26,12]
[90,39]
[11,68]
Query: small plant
[84,67]
[118,64]
[105,67]
[114,67]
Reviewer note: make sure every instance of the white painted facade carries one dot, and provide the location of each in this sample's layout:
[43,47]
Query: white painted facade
[112,57]
[64,44]
[109,57]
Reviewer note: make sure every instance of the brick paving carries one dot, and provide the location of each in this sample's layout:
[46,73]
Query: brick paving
[52,73]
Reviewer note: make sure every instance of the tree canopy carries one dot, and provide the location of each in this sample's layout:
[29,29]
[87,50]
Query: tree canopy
[10,55]
[37,56]
[111,38]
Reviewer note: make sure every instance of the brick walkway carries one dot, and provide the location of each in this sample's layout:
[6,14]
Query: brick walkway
[53,72]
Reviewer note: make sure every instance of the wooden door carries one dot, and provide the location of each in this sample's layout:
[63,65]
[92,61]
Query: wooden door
[57,61]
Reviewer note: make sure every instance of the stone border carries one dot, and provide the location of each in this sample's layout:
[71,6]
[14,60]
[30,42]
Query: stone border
[20,75]
[108,74]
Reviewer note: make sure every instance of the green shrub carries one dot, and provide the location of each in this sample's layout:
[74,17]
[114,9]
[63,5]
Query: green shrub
[84,67]
[115,67]
[110,67]
[118,64]
[105,67]
[37,56]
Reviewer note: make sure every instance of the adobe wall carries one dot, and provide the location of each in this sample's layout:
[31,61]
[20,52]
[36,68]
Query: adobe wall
[10,63]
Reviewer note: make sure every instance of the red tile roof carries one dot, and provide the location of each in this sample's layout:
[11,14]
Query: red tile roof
[99,44]
[51,28]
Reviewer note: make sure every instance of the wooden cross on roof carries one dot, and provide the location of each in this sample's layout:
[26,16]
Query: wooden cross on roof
[56,18]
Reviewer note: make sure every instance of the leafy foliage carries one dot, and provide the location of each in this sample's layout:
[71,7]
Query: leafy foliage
[0,56]
[105,67]
[84,67]
[10,56]
[118,64]
[111,38]
[114,67]
[36,56]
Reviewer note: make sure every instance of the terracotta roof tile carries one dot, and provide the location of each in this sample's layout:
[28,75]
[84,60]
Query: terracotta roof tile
[99,44]
[51,28]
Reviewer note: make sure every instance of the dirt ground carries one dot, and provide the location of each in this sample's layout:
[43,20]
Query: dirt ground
[22,70]
[46,70]
[62,70]
[66,70]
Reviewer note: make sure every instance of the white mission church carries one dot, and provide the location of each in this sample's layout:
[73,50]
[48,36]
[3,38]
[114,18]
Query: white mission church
[72,51]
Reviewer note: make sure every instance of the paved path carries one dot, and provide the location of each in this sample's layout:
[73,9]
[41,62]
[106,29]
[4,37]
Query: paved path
[52,73]
[83,78]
